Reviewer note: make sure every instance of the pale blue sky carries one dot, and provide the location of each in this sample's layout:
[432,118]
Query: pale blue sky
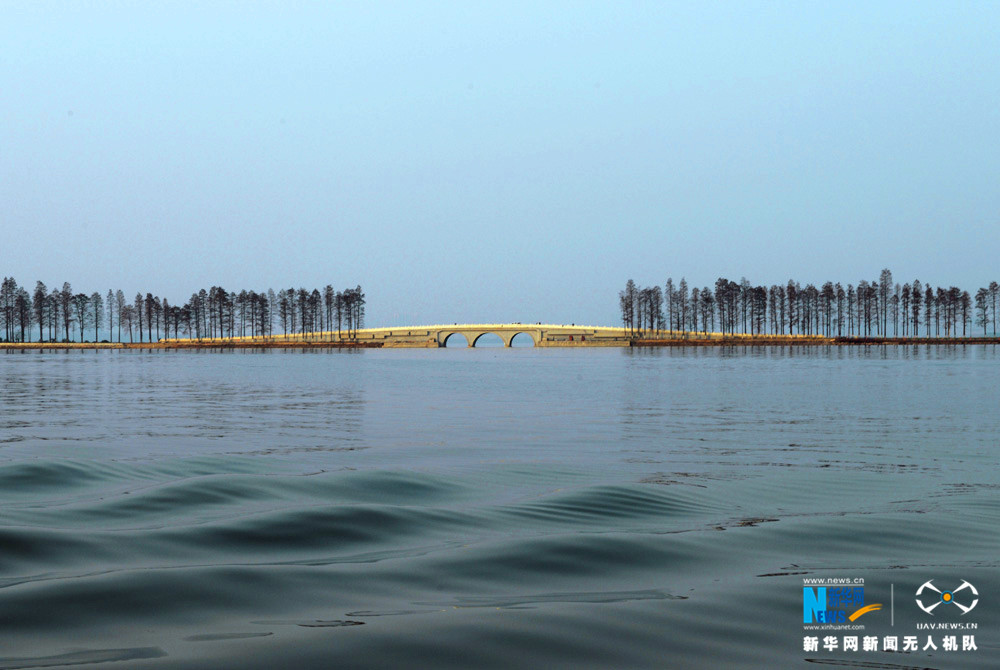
[512,162]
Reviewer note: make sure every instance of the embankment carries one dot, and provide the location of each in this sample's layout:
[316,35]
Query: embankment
[734,341]
[807,341]
[193,344]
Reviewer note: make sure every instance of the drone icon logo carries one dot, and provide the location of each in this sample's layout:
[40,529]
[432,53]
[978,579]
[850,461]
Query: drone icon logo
[945,597]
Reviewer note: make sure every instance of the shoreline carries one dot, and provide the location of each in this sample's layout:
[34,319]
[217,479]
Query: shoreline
[799,341]
[187,345]
[747,340]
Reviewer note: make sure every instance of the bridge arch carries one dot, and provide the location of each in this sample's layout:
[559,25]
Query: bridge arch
[472,338]
[525,335]
[482,339]
[457,339]
[506,336]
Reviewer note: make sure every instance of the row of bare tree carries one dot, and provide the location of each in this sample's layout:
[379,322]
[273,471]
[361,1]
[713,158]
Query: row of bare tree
[877,308]
[62,314]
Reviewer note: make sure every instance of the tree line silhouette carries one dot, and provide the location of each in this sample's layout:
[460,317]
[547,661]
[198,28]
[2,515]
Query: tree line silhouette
[869,309]
[62,314]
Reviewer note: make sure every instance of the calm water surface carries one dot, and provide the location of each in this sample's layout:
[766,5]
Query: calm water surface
[489,508]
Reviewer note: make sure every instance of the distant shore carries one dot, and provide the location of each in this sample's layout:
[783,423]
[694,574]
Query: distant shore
[778,340]
[738,341]
[195,344]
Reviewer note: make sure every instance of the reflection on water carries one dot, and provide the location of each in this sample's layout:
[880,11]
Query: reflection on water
[238,400]
[484,508]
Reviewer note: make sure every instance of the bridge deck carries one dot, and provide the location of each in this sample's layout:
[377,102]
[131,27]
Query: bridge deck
[431,336]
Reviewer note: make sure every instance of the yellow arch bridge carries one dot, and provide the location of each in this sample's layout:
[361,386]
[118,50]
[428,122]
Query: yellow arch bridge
[541,334]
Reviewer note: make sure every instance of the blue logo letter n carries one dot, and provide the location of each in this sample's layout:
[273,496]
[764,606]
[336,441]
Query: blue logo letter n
[813,601]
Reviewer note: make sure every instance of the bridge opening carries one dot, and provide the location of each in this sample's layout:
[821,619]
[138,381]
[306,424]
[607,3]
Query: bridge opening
[487,340]
[522,340]
[456,340]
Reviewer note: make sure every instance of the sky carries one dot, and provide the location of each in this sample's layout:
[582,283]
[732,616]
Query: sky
[495,162]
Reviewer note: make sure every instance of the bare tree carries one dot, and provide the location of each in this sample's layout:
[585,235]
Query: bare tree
[8,296]
[894,308]
[81,304]
[22,309]
[55,303]
[841,297]
[669,295]
[66,305]
[965,307]
[128,316]
[283,311]
[625,304]
[119,307]
[272,306]
[682,303]
[137,304]
[111,315]
[994,289]
[929,305]
[905,304]
[40,305]
[982,308]
[884,293]
[828,295]
[96,311]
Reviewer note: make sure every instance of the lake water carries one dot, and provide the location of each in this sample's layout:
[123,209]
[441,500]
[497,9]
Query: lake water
[482,508]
